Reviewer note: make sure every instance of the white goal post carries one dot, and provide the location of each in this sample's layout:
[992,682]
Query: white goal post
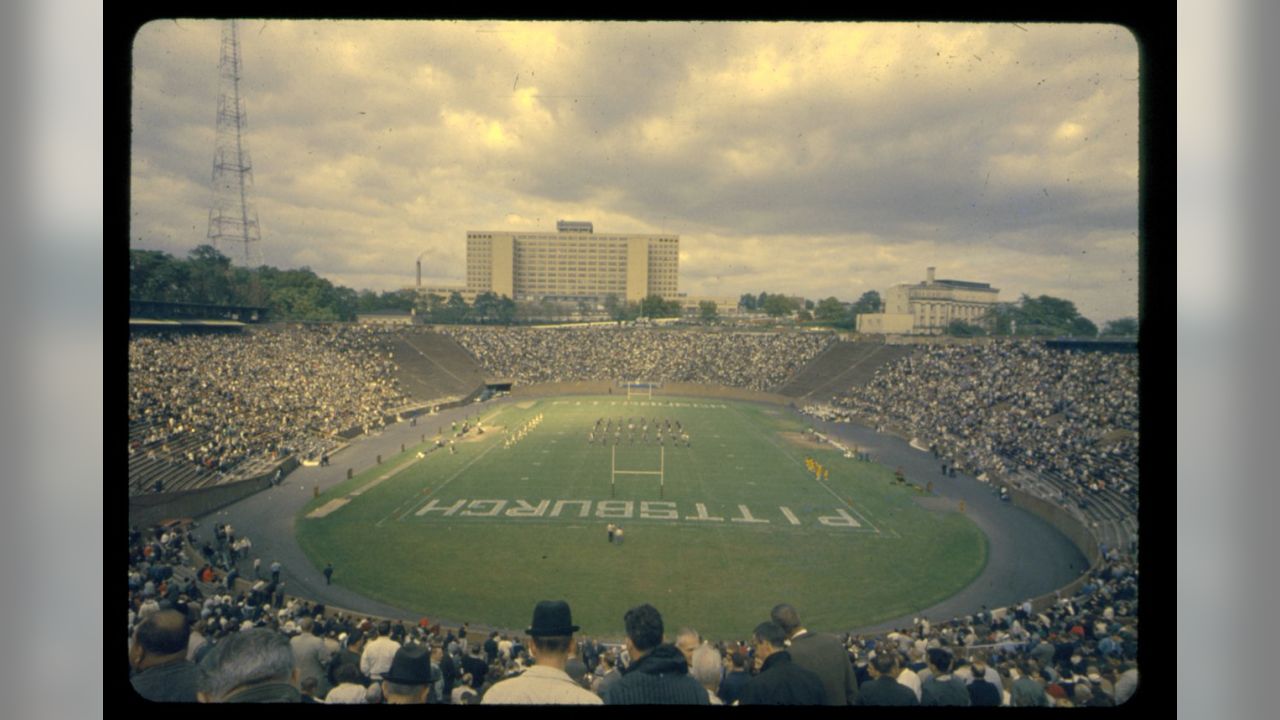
[615,472]
[639,388]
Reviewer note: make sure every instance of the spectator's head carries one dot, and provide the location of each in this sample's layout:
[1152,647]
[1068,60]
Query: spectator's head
[244,659]
[941,661]
[768,638]
[384,628]
[787,617]
[305,626]
[409,680]
[160,638]
[644,630]
[705,666]
[355,640]
[551,632]
[688,640]
[886,661]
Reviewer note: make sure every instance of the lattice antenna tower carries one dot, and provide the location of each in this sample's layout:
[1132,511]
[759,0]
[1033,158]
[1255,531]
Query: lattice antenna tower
[232,219]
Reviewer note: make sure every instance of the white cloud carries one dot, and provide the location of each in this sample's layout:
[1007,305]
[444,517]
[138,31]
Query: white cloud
[867,151]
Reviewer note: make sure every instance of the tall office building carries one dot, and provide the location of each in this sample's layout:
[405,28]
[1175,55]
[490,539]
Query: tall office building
[572,264]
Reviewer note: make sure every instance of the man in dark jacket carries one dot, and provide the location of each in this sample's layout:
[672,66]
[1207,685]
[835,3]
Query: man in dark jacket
[941,687]
[658,673]
[884,688]
[737,678]
[349,655]
[780,681]
[159,658]
[475,665]
[824,655]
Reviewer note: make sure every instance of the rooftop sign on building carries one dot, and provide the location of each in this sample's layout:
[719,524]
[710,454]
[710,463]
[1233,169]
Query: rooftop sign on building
[573,226]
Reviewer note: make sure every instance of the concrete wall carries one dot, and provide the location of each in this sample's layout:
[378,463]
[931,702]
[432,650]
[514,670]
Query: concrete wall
[147,510]
[1066,523]
[668,390]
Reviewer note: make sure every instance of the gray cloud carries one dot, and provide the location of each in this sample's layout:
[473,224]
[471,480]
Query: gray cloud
[867,151]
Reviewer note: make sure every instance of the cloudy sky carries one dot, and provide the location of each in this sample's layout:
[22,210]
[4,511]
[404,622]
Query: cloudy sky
[815,159]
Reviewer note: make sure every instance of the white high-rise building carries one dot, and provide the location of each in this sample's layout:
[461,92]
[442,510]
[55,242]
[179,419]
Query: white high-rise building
[572,264]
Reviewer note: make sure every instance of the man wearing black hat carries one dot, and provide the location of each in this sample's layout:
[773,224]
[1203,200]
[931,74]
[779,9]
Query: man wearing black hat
[546,683]
[408,682]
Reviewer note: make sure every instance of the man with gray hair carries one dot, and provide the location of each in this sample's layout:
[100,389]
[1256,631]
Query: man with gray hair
[705,665]
[311,656]
[823,655]
[688,640]
[249,666]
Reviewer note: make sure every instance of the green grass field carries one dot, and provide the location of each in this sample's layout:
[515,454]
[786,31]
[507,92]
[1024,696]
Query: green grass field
[740,526]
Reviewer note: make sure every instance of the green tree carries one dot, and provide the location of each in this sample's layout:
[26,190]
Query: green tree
[158,276]
[708,311]
[960,328]
[367,301]
[1124,327]
[613,307]
[430,306]
[505,310]
[804,315]
[779,305]
[869,303]
[747,302]
[344,302]
[485,307]
[1083,327]
[829,310]
[455,308]
[1000,318]
[210,276]
[654,306]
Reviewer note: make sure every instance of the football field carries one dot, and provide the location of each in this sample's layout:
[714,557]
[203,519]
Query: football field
[727,509]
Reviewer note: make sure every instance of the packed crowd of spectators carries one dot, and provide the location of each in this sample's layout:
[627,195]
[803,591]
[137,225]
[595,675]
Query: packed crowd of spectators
[752,360]
[216,400]
[999,407]
[218,640]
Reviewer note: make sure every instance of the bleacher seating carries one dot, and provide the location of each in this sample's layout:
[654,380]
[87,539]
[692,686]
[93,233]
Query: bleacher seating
[430,366]
[842,365]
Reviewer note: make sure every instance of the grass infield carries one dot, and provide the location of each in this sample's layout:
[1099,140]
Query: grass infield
[483,533]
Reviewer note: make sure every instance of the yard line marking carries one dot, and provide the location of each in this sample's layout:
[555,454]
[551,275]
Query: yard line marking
[451,479]
[824,485]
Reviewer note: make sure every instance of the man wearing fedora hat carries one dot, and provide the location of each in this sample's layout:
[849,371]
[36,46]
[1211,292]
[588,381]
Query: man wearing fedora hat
[546,683]
[409,680]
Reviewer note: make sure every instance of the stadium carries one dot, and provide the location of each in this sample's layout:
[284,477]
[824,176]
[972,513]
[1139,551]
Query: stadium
[981,496]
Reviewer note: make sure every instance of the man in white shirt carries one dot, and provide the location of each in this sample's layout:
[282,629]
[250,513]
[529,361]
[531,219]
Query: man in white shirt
[546,683]
[378,654]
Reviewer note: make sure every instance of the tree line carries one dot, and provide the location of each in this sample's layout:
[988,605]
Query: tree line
[208,277]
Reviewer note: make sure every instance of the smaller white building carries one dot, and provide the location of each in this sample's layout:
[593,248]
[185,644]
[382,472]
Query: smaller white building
[927,308]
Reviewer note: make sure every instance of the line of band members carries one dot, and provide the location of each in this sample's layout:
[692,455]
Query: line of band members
[664,429]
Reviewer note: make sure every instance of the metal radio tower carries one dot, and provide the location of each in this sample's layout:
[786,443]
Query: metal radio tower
[232,220]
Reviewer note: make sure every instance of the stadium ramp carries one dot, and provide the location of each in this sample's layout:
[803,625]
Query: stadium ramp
[843,365]
[433,365]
